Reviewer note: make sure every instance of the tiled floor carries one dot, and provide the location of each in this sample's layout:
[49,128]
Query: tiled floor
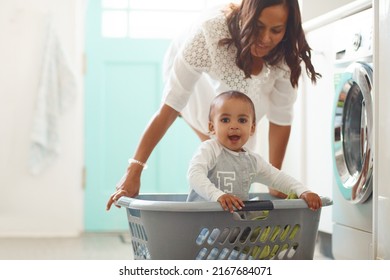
[103,246]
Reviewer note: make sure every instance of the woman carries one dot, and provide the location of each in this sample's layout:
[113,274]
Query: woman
[255,47]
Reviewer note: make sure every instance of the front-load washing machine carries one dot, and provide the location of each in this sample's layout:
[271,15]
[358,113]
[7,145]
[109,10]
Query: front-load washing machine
[352,139]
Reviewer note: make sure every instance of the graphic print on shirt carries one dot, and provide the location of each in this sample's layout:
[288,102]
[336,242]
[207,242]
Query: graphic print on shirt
[226,180]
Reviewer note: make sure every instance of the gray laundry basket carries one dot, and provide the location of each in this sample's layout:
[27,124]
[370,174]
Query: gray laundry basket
[164,226]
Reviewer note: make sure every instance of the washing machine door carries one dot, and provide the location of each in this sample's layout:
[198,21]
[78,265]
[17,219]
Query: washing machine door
[353,132]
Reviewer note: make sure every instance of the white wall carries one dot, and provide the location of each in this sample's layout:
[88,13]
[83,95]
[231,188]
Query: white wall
[314,8]
[50,203]
[382,132]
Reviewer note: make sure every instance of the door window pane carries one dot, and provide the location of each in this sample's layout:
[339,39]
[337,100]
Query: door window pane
[178,5]
[157,24]
[115,4]
[114,24]
[150,18]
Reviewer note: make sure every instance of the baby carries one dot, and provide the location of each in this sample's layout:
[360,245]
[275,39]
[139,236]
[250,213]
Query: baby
[223,170]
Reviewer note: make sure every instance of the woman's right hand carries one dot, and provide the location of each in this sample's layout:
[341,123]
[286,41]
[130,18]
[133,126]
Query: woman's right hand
[129,185]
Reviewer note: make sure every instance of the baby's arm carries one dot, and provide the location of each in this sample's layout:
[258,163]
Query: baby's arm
[285,183]
[312,199]
[198,170]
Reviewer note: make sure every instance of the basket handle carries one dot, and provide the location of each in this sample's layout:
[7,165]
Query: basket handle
[257,205]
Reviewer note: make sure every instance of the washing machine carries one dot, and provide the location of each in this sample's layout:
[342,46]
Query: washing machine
[352,139]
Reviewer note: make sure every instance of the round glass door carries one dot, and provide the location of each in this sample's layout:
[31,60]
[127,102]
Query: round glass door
[353,125]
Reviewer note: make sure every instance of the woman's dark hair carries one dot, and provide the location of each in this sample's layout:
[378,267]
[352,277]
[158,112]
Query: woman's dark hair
[242,23]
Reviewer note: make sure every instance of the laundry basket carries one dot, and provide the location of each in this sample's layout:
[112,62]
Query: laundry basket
[165,226]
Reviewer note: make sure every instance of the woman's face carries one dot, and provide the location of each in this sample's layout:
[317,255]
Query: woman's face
[271,26]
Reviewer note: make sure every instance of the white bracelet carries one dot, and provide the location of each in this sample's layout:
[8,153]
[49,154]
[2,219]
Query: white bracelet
[144,165]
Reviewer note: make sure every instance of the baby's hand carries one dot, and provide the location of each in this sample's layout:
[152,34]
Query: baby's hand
[312,199]
[229,201]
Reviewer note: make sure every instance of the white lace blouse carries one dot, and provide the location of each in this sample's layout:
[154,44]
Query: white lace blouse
[197,69]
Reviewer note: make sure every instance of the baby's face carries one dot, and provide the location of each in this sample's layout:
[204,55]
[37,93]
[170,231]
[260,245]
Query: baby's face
[232,123]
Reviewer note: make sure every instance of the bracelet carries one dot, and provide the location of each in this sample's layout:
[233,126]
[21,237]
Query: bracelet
[144,165]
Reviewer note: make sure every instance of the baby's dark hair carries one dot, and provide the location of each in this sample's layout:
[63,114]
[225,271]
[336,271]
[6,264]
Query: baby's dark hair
[232,94]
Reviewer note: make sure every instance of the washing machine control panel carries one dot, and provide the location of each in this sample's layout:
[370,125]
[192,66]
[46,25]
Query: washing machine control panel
[353,37]
[357,40]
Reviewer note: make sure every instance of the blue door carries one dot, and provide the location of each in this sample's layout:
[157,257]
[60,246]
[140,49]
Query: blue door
[123,88]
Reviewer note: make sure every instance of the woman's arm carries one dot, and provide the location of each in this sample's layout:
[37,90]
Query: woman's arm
[130,184]
[278,140]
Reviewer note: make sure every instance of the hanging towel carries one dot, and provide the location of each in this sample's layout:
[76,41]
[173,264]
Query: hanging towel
[56,93]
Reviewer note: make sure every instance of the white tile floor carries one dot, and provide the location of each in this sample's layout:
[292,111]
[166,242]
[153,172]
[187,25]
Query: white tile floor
[97,246]
[101,246]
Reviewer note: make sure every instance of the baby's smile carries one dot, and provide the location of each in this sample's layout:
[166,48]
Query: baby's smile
[234,137]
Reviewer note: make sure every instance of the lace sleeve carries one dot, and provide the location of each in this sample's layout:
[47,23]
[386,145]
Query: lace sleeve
[196,52]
